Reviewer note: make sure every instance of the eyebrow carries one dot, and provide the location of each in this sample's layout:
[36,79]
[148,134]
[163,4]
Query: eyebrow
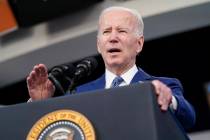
[118,28]
[107,28]
[122,28]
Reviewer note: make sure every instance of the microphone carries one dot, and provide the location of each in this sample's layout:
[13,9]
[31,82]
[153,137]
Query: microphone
[61,77]
[85,68]
[67,76]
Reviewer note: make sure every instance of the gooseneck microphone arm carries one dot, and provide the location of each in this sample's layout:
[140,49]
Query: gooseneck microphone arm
[61,77]
[83,69]
[67,76]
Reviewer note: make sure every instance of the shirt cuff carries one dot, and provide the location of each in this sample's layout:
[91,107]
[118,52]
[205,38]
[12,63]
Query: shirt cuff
[174,104]
[29,100]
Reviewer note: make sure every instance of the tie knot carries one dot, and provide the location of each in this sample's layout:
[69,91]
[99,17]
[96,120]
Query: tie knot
[117,81]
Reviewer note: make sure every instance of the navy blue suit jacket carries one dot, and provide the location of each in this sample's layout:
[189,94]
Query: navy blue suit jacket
[185,112]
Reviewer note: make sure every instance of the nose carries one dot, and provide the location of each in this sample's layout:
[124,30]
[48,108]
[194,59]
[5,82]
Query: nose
[113,37]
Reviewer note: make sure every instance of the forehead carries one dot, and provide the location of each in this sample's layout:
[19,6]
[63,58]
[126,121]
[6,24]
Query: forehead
[118,17]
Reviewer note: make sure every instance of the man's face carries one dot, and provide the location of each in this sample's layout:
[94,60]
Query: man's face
[118,42]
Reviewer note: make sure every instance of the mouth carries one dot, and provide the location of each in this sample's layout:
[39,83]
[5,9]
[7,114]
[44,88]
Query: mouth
[114,50]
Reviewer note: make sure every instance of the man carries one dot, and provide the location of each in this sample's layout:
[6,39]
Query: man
[120,39]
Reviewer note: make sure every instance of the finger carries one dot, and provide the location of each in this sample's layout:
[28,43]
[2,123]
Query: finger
[164,107]
[43,70]
[165,100]
[37,70]
[31,79]
[165,104]
[33,76]
[162,102]
[29,82]
[157,91]
[43,73]
[157,86]
[164,94]
[43,66]
[50,87]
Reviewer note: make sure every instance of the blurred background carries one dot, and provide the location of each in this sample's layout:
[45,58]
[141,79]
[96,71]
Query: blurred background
[55,32]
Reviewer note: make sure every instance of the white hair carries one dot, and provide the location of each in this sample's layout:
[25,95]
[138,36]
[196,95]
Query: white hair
[134,12]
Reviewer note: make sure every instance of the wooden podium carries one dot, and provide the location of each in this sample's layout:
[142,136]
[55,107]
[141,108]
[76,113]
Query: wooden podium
[125,113]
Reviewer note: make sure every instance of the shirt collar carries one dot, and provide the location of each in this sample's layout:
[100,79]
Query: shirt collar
[127,76]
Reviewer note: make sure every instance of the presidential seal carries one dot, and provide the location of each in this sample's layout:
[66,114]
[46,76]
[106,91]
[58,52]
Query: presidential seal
[62,125]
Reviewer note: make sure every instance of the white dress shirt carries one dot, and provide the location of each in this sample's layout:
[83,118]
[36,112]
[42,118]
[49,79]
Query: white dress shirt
[127,76]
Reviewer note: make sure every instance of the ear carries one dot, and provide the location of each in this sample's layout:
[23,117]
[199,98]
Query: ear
[140,44]
[98,46]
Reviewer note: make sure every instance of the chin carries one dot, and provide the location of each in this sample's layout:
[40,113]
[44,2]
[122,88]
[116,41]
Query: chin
[115,63]
[114,60]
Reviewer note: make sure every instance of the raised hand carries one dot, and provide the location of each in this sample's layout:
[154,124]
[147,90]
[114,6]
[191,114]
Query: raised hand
[39,86]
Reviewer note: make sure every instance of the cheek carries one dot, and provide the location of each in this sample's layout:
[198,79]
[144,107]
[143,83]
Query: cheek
[101,49]
[100,46]
[133,47]
[131,52]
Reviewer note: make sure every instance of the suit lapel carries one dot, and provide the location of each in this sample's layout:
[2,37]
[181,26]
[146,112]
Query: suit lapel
[141,76]
[100,83]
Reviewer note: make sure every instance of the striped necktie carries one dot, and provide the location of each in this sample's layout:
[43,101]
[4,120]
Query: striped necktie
[117,81]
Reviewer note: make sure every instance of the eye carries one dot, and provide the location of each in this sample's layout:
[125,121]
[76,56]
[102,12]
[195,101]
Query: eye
[106,31]
[122,31]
